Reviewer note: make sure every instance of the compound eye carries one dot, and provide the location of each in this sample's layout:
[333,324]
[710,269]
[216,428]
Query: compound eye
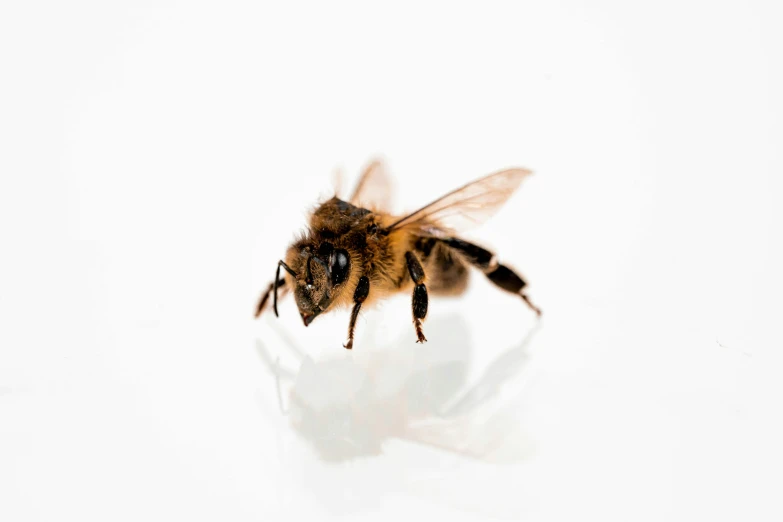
[325,250]
[340,264]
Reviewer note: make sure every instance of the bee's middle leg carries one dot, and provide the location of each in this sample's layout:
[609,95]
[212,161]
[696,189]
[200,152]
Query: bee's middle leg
[420,298]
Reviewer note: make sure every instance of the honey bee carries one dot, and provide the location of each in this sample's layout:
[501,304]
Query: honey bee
[355,253]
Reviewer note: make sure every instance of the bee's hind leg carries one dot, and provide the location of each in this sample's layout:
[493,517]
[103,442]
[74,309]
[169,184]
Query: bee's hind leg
[499,274]
[420,297]
[508,280]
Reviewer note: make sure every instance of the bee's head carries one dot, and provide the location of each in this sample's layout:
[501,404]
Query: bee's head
[321,271]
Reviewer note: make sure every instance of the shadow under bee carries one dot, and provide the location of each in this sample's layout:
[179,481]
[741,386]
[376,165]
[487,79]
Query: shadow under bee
[347,409]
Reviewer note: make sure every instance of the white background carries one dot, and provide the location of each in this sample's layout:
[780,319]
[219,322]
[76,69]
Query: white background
[157,158]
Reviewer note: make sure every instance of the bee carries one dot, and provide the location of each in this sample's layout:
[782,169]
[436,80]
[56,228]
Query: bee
[355,253]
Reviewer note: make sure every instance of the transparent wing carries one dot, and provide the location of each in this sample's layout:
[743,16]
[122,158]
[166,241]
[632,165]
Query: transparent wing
[466,207]
[374,188]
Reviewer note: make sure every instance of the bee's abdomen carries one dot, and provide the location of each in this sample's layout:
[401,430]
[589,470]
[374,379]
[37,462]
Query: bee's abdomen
[446,272]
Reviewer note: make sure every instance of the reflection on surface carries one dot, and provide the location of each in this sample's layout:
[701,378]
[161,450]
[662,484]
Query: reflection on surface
[346,407]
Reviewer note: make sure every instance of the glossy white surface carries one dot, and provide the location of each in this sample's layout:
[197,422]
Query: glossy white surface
[158,157]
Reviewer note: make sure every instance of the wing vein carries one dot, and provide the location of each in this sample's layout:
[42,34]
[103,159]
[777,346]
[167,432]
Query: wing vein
[467,206]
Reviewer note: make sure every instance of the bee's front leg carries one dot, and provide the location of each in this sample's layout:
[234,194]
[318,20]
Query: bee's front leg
[265,296]
[420,298]
[359,296]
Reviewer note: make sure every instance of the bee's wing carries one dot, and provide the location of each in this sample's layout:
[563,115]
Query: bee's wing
[373,189]
[465,207]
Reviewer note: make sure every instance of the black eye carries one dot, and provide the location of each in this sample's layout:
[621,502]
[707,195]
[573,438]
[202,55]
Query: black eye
[372,229]
[340,263]
[325,250]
